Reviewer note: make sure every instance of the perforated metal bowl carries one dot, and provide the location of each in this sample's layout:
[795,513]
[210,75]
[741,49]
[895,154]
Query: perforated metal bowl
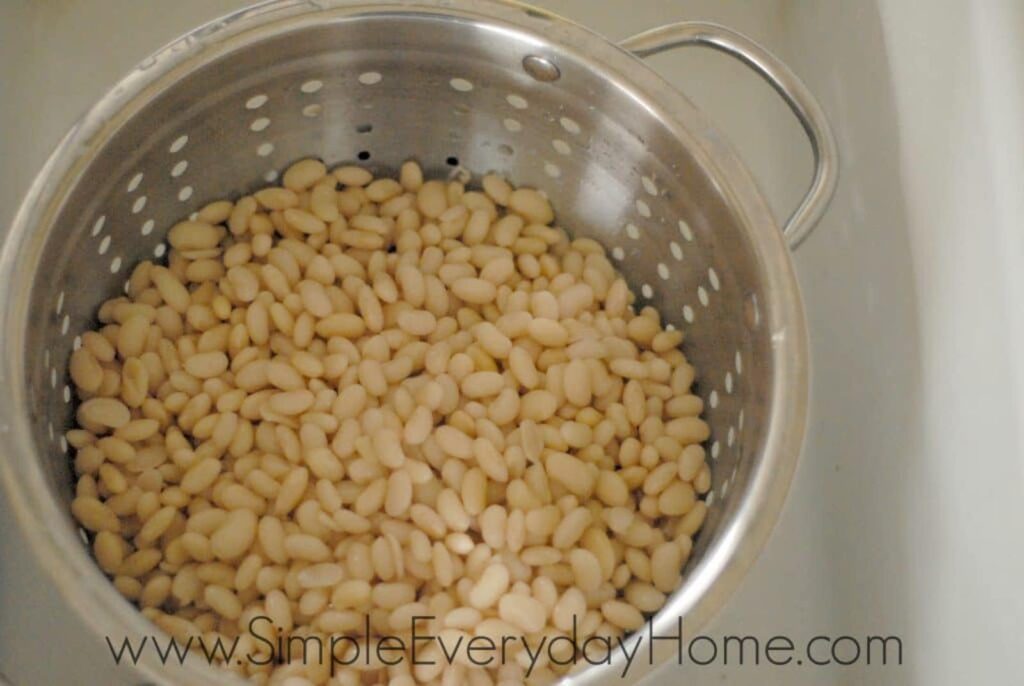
[483,85]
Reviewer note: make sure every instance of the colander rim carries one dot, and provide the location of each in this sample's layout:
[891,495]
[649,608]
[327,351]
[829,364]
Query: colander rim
[709,583]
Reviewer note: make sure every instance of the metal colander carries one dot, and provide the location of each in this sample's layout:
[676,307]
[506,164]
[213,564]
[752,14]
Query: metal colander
[466,85]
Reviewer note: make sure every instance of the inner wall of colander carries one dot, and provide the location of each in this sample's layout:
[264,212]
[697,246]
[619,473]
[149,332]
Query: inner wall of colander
[457,100]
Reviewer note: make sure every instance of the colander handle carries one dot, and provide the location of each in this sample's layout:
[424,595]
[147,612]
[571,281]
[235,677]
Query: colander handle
[786,83]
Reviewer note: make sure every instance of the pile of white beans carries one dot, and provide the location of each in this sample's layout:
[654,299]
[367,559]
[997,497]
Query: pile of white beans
[349,397]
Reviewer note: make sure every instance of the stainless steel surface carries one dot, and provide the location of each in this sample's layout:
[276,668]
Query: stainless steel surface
[807,110]
[624,157]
